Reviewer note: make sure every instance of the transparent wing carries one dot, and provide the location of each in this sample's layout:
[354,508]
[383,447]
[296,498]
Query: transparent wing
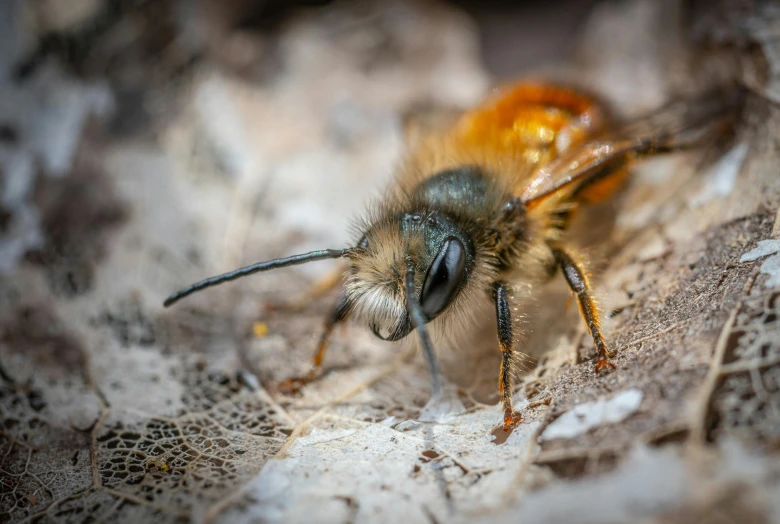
[597,167]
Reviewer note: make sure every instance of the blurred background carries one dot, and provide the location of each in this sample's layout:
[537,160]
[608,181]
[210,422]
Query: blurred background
[146,144]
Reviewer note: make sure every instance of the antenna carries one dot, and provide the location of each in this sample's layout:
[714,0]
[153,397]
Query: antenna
[256,268]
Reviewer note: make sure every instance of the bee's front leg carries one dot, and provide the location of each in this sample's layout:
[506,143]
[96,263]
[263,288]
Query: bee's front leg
[337,315]
[577,278]
[506,343]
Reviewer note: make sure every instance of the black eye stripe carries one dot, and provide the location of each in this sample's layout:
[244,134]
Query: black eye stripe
[444,277]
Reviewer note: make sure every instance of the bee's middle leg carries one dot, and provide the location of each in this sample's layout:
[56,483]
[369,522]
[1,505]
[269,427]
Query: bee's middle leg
[506,343]
[337,315]
[577,278]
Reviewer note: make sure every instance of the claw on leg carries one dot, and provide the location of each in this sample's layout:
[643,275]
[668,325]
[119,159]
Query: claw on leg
[603,363]
[511,419]
[506,343]
[577,278]
[293,385]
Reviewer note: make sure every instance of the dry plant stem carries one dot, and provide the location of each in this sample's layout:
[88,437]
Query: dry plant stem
[698,427]
[702,403]
[544,402]
[657,334]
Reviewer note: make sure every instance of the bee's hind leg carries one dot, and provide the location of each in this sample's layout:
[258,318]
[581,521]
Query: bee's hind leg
[506,343]
[337,315]
[577,278]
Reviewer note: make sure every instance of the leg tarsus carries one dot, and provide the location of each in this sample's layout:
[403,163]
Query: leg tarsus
[511,419]
[506,343]
[604,363]
[293,385]
[577,278]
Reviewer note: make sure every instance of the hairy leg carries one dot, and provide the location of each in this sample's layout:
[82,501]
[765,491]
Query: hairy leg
[506,344]
[577,278]
[338,314]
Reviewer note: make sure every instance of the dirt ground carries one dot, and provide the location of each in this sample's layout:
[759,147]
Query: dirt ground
[145,145]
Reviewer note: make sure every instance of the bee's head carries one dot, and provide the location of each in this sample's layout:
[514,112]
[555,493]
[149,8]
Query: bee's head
[440,253]
[407,269]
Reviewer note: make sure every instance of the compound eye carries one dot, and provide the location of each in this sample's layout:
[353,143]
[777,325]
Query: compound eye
[444,278]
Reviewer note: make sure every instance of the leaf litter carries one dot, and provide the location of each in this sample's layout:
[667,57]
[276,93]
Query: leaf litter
[112,408]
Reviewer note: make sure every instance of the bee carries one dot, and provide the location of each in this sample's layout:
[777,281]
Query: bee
[483,203]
